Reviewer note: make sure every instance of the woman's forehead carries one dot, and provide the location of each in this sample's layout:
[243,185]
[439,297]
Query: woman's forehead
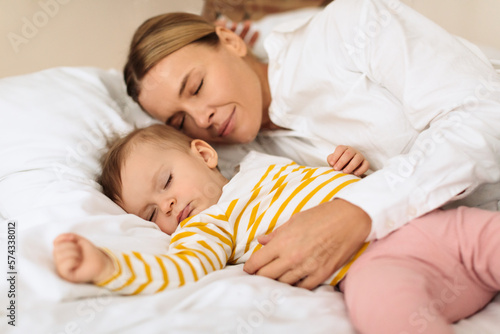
[174,68]
[157,95]
[162,85]
[178,64]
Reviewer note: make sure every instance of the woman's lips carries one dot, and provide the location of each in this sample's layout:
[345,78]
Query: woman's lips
[228,126]
[184,214]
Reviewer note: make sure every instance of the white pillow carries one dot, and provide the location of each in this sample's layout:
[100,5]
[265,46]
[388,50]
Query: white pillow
[54,127]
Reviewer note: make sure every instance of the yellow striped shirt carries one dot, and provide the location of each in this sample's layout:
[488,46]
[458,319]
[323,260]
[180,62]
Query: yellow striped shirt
[256,201]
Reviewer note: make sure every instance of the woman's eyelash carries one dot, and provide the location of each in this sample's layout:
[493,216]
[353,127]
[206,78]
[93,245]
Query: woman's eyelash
[172,121]
[199,87]
[182,122]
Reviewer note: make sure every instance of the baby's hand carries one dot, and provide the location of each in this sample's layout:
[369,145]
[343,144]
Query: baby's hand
[79,261]
[348,160]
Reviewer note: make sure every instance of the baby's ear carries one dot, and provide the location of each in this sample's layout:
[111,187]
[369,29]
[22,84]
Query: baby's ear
[206,151]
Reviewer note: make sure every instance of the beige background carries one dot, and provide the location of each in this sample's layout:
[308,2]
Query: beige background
[47,33]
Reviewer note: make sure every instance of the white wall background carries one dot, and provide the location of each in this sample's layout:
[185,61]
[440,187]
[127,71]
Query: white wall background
[476,20]
[37,34]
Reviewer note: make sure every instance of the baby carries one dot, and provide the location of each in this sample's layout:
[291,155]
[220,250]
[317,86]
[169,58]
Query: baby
[163,176]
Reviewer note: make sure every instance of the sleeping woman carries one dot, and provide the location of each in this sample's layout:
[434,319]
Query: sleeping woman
[418,103]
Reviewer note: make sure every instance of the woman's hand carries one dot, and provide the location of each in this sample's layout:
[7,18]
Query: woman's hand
[242,29]
[312,245]
[348,160]
[79,261]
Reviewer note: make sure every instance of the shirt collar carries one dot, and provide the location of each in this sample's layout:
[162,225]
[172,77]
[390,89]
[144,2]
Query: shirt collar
[280,35]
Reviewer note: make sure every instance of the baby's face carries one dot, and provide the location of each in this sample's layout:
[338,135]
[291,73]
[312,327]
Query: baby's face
[168,185]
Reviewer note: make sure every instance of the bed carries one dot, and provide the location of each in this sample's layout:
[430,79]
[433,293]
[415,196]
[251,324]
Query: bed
[55,124]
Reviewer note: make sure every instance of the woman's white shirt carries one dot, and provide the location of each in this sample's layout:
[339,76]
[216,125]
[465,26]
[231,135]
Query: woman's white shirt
[375,75]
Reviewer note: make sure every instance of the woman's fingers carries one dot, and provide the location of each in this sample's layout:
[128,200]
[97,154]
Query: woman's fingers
[259,260]
[312,244]
[243,29]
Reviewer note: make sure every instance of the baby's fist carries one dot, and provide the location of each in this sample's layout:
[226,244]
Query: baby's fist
[79,261]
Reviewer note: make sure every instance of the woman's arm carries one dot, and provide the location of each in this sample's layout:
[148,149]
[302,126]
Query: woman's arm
[449,94]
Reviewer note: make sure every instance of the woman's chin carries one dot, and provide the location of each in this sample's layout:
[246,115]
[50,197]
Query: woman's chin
[247,137]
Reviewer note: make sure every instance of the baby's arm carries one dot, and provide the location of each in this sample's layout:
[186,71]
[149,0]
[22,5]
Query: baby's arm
[201,246]
[348,160]
[79,261]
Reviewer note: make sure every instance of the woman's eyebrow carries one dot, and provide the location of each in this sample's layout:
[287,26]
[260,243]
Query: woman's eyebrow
[184,82]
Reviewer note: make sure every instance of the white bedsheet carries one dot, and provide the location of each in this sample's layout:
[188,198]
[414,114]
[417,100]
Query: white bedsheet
[227,301]
[53,127]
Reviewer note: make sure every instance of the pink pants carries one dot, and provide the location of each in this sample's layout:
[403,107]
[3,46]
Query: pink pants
[436,270]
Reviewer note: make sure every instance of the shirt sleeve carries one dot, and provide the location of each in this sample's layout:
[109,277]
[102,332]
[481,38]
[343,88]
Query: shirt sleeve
[201,245]
[448,93]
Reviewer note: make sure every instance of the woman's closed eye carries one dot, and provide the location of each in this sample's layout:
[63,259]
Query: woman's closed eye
[199,87]
[177,121]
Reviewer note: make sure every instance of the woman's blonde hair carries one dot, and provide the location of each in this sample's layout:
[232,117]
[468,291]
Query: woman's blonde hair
[159,37]
[113,161]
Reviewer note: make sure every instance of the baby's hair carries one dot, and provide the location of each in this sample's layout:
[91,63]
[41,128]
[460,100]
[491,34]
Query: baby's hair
[112,162]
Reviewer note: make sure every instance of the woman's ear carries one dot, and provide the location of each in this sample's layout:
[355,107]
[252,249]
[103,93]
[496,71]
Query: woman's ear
[205,151]
[232,41]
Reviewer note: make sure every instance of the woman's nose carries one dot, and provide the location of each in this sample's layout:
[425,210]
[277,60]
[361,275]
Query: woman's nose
[203,116]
